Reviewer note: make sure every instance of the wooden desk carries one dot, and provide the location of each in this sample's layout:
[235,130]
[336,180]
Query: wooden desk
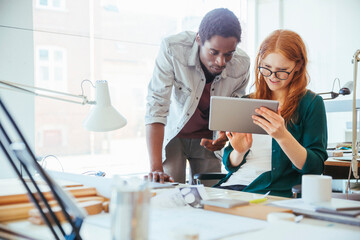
[338,169]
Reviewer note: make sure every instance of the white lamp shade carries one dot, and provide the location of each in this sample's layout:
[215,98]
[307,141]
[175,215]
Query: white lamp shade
[103,116]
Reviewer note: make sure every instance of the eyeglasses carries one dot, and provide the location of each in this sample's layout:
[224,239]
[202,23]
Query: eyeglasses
[281,75]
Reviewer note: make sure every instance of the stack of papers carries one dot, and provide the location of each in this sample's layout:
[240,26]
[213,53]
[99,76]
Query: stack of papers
[338,204]
[334,211]
[339,207]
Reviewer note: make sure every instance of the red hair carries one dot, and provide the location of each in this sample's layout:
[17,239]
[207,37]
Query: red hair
[290,45]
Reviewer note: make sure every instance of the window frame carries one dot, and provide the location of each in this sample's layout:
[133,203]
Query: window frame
[51,64]
[50,5]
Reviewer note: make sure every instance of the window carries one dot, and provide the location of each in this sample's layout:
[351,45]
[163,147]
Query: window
[331,43]
[109,40]
[52,137]
[51,68]
[51,4]
[118,41]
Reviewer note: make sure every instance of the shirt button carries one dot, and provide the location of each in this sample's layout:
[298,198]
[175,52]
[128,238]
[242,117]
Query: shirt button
[213,89]
[273,169]
[188,114]
[274,151]
[202,79]
[197,98]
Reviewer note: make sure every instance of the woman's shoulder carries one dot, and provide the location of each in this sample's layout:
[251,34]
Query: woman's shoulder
[310,99]
[310,96]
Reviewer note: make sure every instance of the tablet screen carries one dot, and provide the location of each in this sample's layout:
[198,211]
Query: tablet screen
[234,114]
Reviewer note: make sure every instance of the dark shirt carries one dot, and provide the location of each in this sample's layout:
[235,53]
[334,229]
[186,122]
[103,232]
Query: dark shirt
[198,125]
[209,77]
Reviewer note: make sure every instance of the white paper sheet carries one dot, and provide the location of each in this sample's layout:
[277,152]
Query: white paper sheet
[297,203]
[172,223]
[284,230]
[334,204]
[309,210]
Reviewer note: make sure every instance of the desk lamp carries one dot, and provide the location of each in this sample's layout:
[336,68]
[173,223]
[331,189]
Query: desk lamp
[103,116]
[345,90]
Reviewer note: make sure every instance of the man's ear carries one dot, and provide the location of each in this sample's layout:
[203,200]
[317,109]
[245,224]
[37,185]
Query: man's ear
[198,40]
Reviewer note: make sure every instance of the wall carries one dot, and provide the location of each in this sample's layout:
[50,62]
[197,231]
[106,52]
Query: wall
[16,65]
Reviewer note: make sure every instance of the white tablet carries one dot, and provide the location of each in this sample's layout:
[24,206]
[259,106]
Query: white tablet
[234,114]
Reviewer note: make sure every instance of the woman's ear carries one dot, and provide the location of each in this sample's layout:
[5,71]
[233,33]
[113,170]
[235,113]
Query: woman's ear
[198,40]
[299,66]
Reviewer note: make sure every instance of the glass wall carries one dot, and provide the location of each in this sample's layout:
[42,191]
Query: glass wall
[118,41]
[111,40]
[330,29]
[16,65]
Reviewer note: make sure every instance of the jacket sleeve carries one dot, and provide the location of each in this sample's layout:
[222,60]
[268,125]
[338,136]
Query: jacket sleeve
[315,137]
[160,87]
[226,159]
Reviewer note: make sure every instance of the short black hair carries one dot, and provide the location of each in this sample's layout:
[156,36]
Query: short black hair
[221,22]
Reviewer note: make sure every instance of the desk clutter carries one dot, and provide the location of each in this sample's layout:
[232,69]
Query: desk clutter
[172,213]
[340,151]
[15,204]
[251,208]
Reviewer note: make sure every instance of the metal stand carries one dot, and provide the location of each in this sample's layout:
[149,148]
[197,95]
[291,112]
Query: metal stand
[17,151]
[355,146]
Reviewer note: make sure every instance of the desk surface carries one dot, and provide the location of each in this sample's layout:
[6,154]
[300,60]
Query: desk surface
[307,229]
[338,169]
[337,163]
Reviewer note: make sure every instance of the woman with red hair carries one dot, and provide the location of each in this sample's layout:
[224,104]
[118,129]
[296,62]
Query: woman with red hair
[297,134]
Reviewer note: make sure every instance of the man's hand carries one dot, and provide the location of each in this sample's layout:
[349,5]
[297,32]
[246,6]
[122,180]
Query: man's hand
[214,145]
[158,176]
[154,140]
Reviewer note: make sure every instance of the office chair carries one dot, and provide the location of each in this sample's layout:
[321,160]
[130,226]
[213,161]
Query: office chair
[198,177]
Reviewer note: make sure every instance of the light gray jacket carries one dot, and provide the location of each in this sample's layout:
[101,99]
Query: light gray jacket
[178,82]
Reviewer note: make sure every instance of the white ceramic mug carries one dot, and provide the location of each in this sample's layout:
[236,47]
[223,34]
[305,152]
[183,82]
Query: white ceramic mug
[316,188]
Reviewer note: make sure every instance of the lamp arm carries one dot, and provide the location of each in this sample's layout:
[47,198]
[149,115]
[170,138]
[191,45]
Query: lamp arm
[332,95]
[25,89]
[85,101]
[355,146]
